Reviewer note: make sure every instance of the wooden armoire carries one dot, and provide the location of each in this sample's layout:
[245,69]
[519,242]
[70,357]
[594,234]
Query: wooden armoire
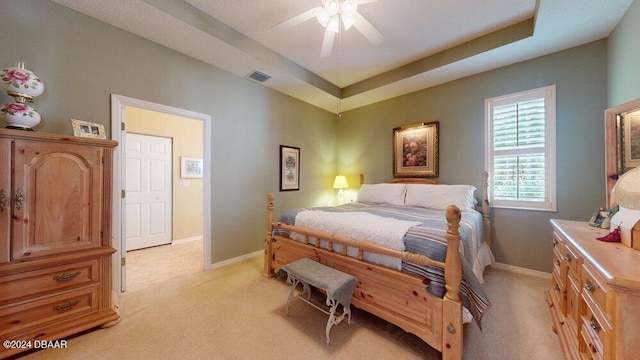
[55,237]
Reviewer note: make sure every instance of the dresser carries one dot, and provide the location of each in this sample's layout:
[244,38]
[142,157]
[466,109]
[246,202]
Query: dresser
[55,237]
[594,298]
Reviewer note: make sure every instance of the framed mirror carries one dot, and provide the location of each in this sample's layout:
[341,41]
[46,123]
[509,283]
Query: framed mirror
[622,141]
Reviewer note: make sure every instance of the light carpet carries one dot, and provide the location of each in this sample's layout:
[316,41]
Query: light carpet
[235,313]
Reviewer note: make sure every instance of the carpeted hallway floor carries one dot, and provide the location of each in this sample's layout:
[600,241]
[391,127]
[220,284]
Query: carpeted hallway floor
[235,313]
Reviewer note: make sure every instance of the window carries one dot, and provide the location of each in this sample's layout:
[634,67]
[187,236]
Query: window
[520,154]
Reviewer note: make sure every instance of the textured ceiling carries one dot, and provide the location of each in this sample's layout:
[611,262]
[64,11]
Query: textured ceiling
[426,42]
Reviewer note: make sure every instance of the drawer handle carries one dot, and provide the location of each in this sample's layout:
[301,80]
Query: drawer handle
[589,286]
[558,262]
[555,241]
[19,199]
[556,288]
[66,276]
[568,258]
[66,306]
[594,324]
[3,200]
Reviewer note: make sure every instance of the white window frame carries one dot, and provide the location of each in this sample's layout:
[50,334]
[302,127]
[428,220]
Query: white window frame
[549,93]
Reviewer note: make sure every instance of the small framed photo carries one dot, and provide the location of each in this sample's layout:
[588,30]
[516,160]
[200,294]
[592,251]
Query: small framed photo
[83,128]
[191,168]
[289,168]
[415,150]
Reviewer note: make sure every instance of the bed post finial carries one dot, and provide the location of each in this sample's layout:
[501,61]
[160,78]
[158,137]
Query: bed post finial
[453,266]
[361,179]
[267,272]
[451,306]
[486,210]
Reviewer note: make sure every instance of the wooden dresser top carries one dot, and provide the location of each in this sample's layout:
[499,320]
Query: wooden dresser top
[618,263]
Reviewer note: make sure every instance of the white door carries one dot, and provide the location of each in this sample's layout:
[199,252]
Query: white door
[148,191]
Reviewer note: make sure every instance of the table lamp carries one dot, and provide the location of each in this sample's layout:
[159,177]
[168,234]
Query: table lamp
[626,194]
[24,86]
[340,183]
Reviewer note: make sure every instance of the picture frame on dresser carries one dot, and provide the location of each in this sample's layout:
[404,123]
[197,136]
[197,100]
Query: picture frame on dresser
[415,150]
[87,129]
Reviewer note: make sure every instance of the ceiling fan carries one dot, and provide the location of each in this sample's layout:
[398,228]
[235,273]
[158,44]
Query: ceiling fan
[330,15]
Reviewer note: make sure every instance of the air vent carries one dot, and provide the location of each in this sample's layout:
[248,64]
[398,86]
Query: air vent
[259,76]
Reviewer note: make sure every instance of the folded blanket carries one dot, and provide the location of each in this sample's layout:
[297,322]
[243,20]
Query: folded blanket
[384,231]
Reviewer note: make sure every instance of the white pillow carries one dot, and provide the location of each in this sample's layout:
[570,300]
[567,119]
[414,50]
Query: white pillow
[392,194]
[439,197]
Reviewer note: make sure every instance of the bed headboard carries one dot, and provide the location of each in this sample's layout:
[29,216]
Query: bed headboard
[414,181]
[406,181]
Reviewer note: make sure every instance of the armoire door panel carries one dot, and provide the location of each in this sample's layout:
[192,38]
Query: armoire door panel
[58,185]
[5,199]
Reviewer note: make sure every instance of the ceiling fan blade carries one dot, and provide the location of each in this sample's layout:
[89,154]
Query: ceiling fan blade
[298,19]
[327,43]
[368,30]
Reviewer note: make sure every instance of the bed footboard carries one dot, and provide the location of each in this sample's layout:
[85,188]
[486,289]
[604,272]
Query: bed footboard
[392,295]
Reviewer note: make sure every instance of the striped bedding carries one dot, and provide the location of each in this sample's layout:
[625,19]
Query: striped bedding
[428,238]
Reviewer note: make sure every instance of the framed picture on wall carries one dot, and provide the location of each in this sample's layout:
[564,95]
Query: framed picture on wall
[83,128]
[289,168]
[191,168]
[415,150]
[631,140]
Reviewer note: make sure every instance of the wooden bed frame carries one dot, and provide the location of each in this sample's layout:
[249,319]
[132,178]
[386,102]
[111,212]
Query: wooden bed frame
[392,295]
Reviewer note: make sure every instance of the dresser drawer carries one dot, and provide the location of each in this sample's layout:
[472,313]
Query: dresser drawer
[573,306]
[598,328]
[78,303]
[558,294]
[591,351]
[595,288]
[574,262]
[19,286]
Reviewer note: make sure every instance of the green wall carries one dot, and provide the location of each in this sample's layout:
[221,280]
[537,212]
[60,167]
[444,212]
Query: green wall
[624,58]
[520,238]
[82,61]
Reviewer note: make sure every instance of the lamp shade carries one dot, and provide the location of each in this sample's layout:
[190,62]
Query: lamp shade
[20,82]
[340,182]
[626,191]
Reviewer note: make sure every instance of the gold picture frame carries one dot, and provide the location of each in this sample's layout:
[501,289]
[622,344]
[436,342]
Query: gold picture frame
[87,129]
[416,150]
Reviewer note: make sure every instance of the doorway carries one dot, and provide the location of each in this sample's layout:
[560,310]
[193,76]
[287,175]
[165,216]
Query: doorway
[119,105]
[148,169]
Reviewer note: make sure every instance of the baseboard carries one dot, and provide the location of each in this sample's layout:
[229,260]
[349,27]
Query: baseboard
[184,240]
[521,270]
[236,259]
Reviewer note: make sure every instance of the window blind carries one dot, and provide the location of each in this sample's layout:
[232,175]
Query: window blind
[521,149]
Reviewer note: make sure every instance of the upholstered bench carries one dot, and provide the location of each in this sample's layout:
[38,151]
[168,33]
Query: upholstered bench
[338,286]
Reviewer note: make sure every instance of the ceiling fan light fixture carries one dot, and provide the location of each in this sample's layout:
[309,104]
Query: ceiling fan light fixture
[332,7]
[348,20]
[323,17]
[334,24]
[348,12]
